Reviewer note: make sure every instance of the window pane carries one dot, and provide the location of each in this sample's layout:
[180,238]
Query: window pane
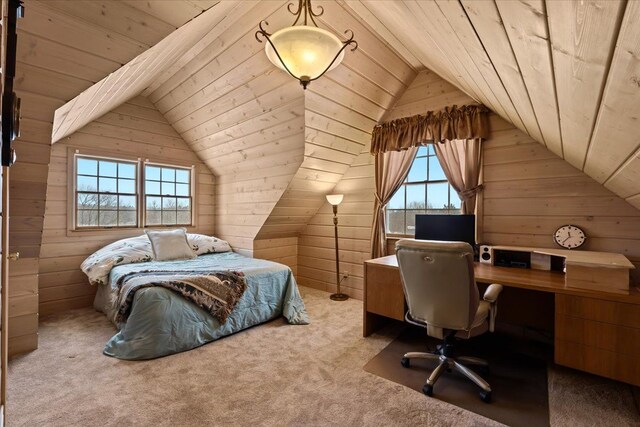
[168,188]
[87,201]
[423,151]
[183,175]
[126,170]
[108,218]
[183,204]
[397,201]
[87,183]
[154,203]
[169,203]
[154,218]
[418,171]
[182,189]
[437,196]
[152,187]
[184,217]
[169,217]
[395,221]
[127,218]
[108,169]
[108,201]
[87,167]
[126,186]
[107,185]
[455,199]
[168,174]
[87,218]
[152,172]
[109,198]
[415,196]
[411,221]
[435,170]
[127,203]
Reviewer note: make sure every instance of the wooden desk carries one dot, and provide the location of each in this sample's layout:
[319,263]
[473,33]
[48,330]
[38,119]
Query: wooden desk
[596,332]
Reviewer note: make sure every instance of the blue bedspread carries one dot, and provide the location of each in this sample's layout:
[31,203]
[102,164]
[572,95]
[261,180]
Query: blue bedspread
[162,322]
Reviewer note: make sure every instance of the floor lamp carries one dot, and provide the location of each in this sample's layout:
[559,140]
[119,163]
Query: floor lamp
[335,200]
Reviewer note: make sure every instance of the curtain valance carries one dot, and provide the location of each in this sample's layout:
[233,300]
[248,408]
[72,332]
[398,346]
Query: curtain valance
[465,122]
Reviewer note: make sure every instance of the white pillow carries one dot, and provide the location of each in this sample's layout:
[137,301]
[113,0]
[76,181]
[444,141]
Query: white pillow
[169,245]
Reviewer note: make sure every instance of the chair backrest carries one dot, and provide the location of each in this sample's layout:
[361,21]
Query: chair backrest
[438,282]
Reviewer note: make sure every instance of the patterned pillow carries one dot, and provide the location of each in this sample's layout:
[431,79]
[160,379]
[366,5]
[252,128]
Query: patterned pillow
[138,249]
[203,244]
[126,251]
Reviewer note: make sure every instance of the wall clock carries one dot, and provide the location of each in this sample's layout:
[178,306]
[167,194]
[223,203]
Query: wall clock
[569,236]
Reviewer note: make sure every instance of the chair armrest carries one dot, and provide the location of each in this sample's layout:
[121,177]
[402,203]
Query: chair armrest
[492,292]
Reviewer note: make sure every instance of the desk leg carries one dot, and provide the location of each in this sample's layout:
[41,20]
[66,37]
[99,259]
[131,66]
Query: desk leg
[372,322]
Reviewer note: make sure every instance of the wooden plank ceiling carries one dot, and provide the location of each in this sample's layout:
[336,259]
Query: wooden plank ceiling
[565,72]
[275,149]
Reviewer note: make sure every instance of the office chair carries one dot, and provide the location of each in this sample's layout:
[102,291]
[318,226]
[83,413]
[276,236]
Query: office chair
[442,296]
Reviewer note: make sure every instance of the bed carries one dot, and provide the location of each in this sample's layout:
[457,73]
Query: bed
[162,322]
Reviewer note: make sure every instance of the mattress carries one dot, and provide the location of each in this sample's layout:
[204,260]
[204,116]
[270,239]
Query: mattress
[162,322]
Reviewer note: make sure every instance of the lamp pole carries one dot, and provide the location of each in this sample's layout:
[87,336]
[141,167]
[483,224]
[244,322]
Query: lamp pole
[335,200]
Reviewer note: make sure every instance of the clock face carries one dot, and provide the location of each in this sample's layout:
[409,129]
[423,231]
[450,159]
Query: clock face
[569,236]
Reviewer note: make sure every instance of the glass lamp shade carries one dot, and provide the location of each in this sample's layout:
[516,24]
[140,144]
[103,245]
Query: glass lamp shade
[306,50]
[335,199]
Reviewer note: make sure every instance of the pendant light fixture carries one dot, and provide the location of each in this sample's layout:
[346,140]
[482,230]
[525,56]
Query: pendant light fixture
[302,50]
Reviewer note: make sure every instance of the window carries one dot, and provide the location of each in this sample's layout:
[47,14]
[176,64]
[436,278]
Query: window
[167,195]
[106,193]
[425,191]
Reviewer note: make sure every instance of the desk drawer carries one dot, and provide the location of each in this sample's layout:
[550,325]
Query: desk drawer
[597,361]
[616,313]
[605,336]
[384,292]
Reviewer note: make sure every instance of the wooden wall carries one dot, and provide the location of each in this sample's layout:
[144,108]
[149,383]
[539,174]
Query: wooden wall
[529,192]
[341,109]
[63,49]
[133,130]
[283,250]
[244,118]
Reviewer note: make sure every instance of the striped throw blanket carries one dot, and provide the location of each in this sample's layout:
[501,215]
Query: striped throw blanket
[215,292]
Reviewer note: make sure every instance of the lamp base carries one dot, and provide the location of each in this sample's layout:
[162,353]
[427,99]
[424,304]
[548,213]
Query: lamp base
[339,297]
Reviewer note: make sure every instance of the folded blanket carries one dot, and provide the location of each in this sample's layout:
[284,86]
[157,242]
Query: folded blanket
[215,292]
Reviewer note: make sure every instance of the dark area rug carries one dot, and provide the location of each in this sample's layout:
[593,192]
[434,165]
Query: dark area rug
[518,375]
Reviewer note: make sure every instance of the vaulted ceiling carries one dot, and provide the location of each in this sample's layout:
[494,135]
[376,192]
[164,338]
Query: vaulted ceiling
[566,73]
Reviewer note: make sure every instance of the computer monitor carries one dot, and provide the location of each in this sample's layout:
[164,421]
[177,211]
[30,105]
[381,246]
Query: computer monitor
[454,228]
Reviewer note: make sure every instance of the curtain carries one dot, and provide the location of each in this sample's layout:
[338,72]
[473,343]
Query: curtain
[391,169]
[461,161]
[466,122]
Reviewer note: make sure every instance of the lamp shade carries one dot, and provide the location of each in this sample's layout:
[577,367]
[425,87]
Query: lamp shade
[335,199]
[307,51]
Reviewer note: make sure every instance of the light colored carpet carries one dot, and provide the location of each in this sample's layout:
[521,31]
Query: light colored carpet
[271,375]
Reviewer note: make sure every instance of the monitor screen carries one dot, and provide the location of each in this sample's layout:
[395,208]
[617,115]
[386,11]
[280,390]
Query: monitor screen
[455,228]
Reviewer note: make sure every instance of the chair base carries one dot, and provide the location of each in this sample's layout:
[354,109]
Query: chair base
[451,363]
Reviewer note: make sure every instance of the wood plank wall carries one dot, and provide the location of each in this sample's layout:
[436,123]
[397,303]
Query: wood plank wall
[529,192]
[134,130]
[62,50]
[341,109]
[283,250]
[244,118]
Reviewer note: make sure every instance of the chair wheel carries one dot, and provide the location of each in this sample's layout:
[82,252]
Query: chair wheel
[427,389]
[485,396]
[405,362]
